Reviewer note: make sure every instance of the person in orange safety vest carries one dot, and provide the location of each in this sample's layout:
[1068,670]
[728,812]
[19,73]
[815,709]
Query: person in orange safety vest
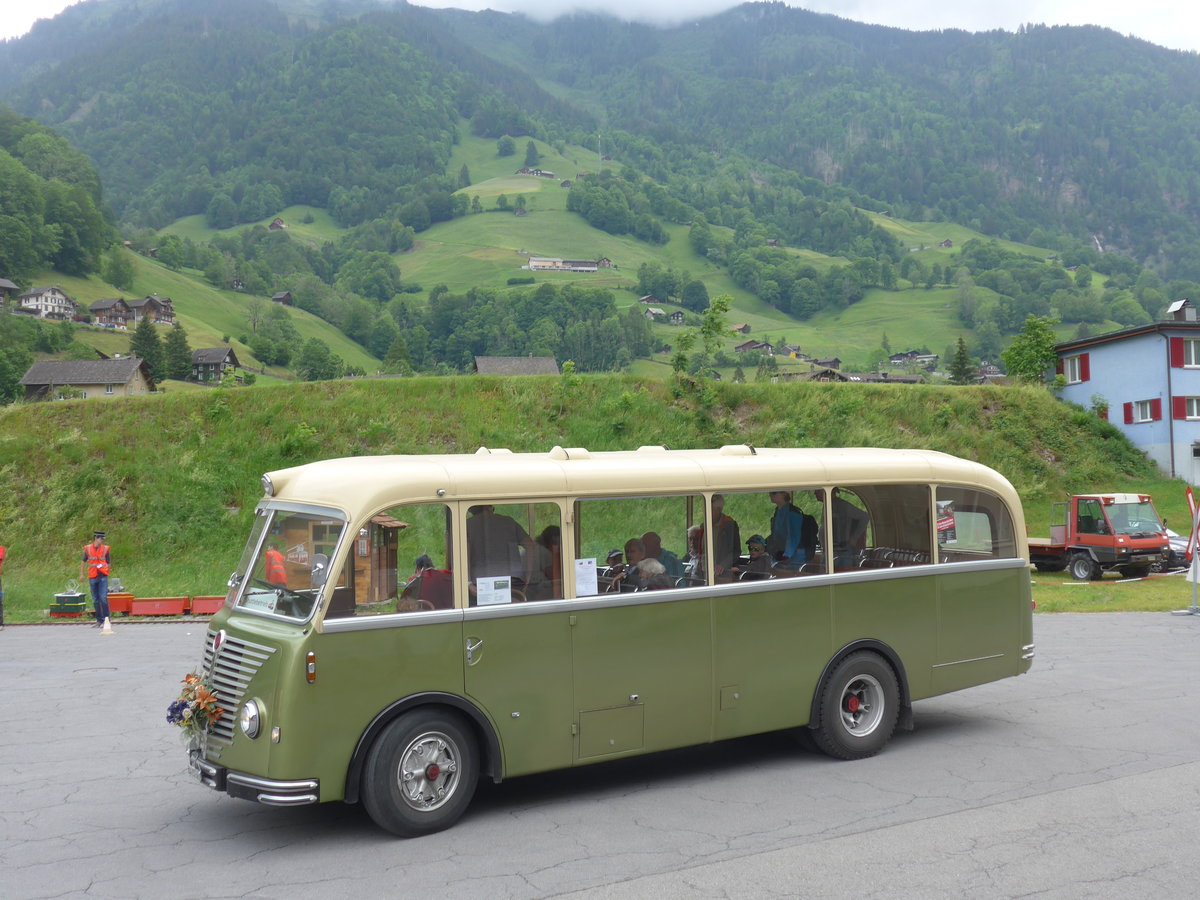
[95,567]
[276,573]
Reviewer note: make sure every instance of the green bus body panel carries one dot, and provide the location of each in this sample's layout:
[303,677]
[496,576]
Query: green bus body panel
[899,612]
[521,678]
[769,650]
[576,685]
[605,732]
[267,685]
[657,655]
[359,674]
[983,621]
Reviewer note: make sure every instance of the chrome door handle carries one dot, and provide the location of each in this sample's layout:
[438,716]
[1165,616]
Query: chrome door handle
[473,644]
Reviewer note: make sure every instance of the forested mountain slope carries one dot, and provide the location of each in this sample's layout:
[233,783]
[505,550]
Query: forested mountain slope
[1043,132]
[1073,129]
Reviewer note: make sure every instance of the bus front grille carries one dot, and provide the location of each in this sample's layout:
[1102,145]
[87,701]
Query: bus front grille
[230,667]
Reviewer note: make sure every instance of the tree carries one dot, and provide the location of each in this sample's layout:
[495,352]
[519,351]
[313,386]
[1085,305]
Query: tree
[1031,354]
[396,361]
[177,354]
[695,296]
[146,345]
[317,362]
[961,370]
[531,155]
[505,146]
[117,268]
[221,212]
[464,176]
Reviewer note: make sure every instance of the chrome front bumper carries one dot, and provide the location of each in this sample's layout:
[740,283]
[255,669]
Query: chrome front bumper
[267,791]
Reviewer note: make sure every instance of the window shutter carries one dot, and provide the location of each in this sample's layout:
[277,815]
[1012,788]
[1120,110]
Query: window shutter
[1156,409]
[1085,368]
[1179,407]
[1058,366]
[1176,353]
[1128,407]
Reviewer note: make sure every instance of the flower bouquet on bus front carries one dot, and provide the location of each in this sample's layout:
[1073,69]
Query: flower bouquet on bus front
[196,709]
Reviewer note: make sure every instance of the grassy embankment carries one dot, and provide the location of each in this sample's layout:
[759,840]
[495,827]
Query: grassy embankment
[174,478]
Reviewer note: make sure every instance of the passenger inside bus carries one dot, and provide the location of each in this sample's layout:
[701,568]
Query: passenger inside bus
[629,579]
[693,562]
[727,540]
[792,540]
[758,565]
[655,550]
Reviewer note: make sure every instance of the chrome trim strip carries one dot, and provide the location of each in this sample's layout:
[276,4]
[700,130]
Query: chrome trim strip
[271,784]
[345,624]
[959,662]
[276,800]
[667,595]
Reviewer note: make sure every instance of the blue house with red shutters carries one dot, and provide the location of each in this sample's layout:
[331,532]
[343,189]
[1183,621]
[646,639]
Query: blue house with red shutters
[1148,377]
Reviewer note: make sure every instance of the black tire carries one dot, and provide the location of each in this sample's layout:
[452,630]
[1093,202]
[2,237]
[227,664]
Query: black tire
[1083,568]
[420,773]
[1050,566]
[859,707]
[1135,571]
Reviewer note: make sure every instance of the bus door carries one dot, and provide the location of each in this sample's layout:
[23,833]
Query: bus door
[642,675]
[642,654]
[516,639]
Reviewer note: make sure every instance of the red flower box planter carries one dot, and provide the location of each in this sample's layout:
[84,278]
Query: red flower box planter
[159,606]
[120,602]
[206,606]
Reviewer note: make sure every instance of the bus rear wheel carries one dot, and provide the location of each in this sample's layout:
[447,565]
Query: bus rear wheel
[859,706]
[420,773]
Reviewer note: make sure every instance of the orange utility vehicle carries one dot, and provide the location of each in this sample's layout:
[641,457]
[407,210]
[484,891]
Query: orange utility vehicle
[1096,533]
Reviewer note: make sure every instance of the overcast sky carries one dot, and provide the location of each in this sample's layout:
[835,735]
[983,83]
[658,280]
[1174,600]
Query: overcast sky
[1168,23]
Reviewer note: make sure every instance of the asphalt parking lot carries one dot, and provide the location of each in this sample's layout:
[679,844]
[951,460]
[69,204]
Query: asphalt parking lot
[1080,779]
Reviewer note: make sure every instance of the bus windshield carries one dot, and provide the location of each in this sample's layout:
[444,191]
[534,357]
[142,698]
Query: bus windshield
[286,562]
[1134,518]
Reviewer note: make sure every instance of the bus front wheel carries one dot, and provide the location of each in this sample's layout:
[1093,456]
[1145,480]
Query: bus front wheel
[860,703]
[420,774]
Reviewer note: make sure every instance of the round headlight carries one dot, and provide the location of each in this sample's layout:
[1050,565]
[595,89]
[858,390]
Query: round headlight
[250,719]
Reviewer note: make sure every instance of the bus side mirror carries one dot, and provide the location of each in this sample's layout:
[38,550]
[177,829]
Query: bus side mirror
[320,563]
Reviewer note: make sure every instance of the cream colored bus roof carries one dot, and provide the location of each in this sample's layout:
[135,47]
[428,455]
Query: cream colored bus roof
[369,483]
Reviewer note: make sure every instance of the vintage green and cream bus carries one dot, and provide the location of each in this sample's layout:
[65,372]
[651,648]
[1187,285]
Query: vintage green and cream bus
[400,625]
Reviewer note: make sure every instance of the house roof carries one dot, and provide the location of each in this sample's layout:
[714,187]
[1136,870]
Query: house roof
[108,304]
[87,371]
[164,302]
[38,291]
[6,285]
[1136,331]
[210,356]
[516,365]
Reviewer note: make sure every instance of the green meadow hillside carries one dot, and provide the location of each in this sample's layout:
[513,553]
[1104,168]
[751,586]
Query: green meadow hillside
[211,317]
[173,478]
[485,250]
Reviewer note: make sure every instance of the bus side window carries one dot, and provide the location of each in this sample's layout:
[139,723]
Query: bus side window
[400,561]
[652,535]
[514,553]
[973,525]
[900,525]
